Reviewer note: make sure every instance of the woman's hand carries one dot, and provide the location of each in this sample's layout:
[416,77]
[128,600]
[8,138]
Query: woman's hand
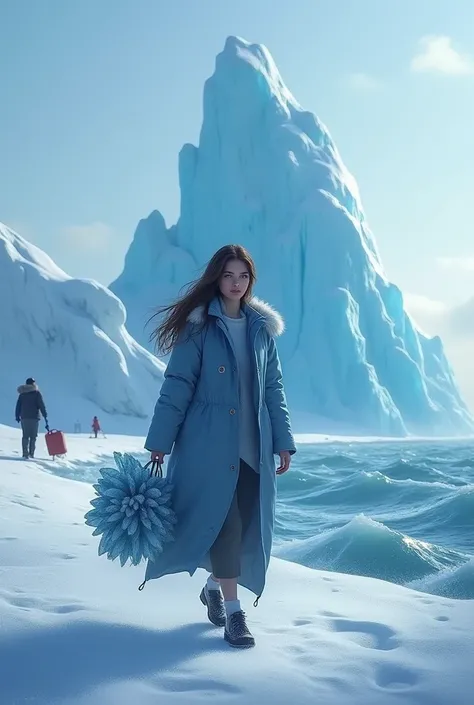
[157,455]
[285,460]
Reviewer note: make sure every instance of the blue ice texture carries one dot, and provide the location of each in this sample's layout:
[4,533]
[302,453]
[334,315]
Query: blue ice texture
[268,175]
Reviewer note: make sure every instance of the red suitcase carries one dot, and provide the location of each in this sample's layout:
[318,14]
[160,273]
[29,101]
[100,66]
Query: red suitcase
[56,443]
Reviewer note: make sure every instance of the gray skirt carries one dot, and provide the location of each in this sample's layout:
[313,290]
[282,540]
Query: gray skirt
[226,550]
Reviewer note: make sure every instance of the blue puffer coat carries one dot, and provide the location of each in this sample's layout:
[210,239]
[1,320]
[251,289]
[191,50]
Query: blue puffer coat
[198,413]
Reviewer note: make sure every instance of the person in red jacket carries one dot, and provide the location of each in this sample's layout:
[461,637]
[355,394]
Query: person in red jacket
[95,426]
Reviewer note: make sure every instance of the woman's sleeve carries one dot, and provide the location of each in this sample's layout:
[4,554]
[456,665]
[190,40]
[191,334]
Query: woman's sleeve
[177,390]
[275,400]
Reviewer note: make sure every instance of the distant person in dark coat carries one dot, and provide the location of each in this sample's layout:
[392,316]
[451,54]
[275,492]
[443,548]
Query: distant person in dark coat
[28,408]
[95,426]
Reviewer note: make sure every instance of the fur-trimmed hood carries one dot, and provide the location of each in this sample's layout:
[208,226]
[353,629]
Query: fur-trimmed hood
[274,323]
[25,388]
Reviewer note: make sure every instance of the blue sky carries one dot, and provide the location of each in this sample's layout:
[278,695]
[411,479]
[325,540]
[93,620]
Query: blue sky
[99,96]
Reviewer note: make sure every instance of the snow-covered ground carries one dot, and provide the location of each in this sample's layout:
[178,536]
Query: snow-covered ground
[74,630]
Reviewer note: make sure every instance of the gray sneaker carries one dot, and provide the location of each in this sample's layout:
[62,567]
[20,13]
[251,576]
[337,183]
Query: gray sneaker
[237,633]
[213,600]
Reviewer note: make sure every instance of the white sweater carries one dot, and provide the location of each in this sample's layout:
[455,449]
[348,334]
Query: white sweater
[249,437]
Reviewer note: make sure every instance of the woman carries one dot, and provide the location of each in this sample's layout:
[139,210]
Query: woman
[223,408]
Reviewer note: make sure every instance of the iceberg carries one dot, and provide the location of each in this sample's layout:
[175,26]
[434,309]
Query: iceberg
[70,335]
[268,175]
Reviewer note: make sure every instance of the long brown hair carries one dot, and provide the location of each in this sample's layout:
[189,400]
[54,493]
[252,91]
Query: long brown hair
[199,293]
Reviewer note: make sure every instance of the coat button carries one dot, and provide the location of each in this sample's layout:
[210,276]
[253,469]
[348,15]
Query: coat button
[232,467]
[222,369]
[232,412]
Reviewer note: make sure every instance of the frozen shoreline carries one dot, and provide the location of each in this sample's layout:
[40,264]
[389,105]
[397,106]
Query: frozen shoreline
[89,637]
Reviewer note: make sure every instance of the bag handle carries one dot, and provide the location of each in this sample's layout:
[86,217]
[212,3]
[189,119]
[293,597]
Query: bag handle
[156,468]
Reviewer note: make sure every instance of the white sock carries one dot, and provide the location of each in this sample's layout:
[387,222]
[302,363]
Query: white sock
[232,606]
[212,584]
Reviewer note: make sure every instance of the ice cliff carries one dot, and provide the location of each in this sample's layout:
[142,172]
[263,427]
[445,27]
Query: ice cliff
[267,174]
[69,334]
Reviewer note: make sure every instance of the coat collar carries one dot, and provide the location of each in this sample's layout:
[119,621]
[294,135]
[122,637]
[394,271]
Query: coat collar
[25,388]
[256,309]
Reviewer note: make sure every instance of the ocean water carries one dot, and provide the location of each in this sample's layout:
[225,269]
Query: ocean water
[399,511]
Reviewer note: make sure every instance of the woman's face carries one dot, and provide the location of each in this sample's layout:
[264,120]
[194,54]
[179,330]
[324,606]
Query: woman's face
[235,280]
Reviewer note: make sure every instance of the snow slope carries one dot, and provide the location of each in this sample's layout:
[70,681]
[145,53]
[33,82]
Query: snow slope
[76,631]
[69,334]
[267,174]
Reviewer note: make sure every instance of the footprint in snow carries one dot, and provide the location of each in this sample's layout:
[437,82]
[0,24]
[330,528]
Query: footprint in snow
[393,677]
[370,635]
[302,622]
[65,556]
[204,687]
[22,503]
[28,603]
[424,600]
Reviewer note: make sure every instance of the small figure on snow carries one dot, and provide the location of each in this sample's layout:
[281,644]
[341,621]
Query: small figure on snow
[28,408]
[222,415]
[95,426]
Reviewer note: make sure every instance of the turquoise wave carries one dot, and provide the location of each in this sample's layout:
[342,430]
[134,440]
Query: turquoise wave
[402,512]
[450,519]
[367,547]
[457,583]
[420,472]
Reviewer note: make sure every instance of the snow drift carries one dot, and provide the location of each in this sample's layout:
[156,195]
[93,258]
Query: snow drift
[70,335]
[267,174]
[76,631]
